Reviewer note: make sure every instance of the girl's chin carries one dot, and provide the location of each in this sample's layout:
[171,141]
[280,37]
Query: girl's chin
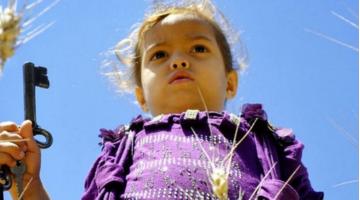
[179,108]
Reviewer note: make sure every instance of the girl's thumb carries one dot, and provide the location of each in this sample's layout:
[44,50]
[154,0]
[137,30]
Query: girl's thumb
[26,129]
[27,133]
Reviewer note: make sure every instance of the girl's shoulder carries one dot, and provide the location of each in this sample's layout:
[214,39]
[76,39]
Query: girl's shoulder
[123,131]
[251,112]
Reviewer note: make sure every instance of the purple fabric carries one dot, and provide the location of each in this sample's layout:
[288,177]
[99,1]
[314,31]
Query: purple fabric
[162,159]
[270,188]
[251,111]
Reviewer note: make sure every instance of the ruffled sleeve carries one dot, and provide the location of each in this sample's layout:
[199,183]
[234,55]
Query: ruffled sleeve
[106,179]
[290,160]
[279,155]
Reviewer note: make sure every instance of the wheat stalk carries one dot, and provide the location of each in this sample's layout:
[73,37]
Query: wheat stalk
[14,30]
[218,175]
[9,32]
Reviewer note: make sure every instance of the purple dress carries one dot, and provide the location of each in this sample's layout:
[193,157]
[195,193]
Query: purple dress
[171,157]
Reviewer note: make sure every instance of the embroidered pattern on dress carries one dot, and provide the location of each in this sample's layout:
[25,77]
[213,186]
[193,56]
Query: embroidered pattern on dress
[169,193]
[214,139]
[160,163]
[166,162]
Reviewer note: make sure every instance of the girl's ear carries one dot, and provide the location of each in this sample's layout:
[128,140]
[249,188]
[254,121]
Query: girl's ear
[139,93]
[232,84]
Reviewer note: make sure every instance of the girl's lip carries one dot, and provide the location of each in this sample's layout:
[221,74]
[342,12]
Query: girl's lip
[180,76]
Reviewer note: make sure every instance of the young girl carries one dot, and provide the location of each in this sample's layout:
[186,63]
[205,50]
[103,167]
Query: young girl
[183,72]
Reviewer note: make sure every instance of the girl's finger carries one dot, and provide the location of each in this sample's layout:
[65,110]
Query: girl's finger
[12,149]
[27,133]
[7,135]
[6,159]
[13,137]
[8,126]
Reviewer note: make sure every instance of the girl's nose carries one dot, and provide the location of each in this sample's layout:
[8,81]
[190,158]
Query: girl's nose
[180,64]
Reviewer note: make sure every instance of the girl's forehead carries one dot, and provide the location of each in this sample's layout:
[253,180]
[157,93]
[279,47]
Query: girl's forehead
[178,26]
[180,17]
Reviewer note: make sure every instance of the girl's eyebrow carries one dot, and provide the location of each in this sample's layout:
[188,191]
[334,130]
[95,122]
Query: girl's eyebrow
[199,37]
[188,37]
[153,45]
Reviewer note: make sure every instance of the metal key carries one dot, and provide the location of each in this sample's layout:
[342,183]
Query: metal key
[35,77]
[19,171]
[5,178]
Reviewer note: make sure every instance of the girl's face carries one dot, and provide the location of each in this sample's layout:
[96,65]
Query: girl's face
[180,57]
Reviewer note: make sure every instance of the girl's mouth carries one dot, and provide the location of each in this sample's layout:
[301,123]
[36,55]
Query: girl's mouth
[180,77]
[180,80]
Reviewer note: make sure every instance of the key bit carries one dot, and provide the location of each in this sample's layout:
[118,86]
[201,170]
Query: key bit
[18,172]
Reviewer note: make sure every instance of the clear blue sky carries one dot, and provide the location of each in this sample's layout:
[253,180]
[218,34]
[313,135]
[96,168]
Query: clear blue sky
[305,82]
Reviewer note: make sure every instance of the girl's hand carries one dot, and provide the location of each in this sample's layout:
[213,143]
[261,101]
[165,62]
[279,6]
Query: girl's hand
[17,143]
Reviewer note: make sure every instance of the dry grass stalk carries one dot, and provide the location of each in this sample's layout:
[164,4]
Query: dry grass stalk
[334,40]
[286,183]
[25,188]
[261,182]
[16,140]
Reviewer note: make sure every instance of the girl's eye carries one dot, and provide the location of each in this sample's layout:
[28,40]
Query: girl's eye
[158,55]
[199,49]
